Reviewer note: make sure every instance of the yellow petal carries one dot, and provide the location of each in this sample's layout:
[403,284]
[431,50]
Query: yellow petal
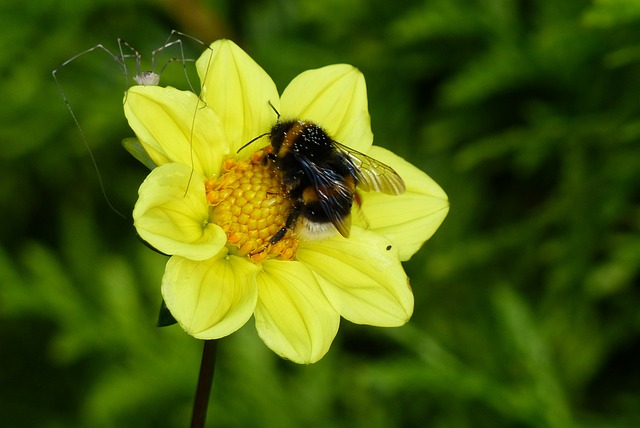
[335,97]
[408,219]
[211,298]
[174,126]
[293,317]
[362,277]
[238,90]
[174,219]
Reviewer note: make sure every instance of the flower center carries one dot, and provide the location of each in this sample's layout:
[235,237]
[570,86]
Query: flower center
[249,202]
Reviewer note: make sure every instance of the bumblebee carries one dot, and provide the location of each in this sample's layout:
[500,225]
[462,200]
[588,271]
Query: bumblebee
[321,177]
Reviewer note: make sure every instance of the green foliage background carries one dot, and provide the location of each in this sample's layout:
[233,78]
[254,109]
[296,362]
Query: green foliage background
[527,300]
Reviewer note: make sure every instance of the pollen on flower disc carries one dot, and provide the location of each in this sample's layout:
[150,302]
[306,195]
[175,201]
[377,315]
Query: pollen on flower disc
[249,202]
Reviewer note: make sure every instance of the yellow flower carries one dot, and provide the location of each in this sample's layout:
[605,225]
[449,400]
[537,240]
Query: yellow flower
[214,209]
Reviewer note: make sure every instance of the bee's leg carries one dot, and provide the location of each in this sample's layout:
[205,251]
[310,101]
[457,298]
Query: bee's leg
[291,221]
[278,236]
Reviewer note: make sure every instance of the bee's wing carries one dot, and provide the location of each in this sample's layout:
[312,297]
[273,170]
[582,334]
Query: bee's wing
[331,191]
[373,175]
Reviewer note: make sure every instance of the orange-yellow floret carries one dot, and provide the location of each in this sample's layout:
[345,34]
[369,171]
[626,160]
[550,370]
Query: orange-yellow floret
[249,202]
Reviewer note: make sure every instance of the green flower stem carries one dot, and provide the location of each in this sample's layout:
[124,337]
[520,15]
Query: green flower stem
[205,380]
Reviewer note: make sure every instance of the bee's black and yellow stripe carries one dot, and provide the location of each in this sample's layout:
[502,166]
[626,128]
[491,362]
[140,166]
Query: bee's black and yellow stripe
[321,175]
[320,179]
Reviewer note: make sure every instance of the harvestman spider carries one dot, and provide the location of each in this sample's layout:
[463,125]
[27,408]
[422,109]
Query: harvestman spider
[143,78]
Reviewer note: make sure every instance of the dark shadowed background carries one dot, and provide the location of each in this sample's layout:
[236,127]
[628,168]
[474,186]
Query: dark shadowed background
[527,300]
